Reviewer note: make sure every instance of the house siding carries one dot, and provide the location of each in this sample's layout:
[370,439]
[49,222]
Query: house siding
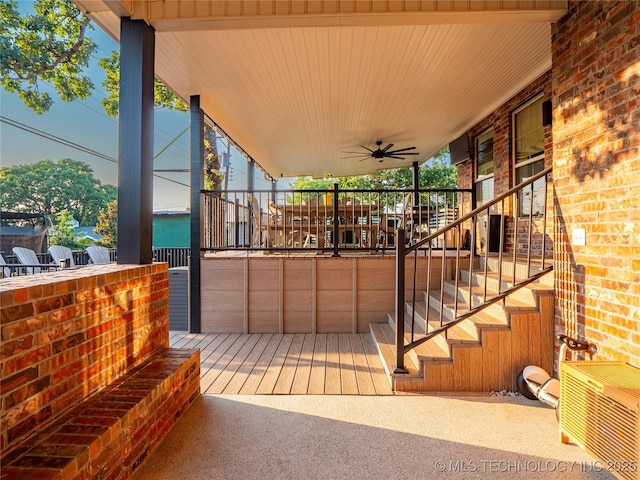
[596,161]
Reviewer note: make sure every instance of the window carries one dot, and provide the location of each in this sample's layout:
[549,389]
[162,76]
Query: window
[528,139]
[484,167]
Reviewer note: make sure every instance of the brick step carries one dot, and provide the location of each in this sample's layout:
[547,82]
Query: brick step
[111,433]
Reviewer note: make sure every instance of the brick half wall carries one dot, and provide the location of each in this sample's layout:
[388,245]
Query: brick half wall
[67,334]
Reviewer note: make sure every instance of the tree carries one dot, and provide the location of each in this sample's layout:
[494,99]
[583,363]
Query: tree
[435,174]
[48,187]
[107,225]
[162,96]
[63,232]
[51,46]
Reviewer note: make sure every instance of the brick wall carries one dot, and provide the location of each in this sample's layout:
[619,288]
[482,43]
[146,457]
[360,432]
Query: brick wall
[502,124]
[66,334]
[596,161]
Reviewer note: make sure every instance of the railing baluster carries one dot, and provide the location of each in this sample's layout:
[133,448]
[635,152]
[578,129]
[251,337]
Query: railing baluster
[400,276]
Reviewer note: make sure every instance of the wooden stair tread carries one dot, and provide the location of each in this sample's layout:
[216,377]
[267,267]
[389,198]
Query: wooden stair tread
[456,333]
[385,340]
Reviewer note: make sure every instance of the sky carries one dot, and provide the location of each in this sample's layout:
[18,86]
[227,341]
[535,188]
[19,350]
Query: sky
[85,123]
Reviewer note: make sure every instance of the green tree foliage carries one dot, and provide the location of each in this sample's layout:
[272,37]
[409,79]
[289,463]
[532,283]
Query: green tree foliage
[435,174]
[48,187]
[162,95]
[49,45]
[163,98]
[107,225]
[63,232]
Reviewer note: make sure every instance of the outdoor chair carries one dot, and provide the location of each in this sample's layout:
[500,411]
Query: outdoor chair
[389,223]
[58,253]
[4,272]
[98,255]
[28,257]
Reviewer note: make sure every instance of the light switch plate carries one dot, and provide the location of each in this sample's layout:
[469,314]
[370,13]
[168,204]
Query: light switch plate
[579,236]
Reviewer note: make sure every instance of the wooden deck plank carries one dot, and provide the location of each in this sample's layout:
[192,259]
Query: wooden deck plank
[318,365]
[363,374]
[237,382]
[379,377]
[349,382]
[288,373]
[303,372]
[232,367]
[182,341]
[297,363]
[260,368]
[270,377]
[221,362]
[332,384]
[214,351]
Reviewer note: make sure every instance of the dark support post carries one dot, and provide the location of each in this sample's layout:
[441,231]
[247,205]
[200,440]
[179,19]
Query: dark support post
[400,254]
[135,143]
[196,126]
[251,173]
[336,223]
[416,184]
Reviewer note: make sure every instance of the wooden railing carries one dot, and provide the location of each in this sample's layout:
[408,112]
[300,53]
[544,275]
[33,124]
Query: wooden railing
[511,227]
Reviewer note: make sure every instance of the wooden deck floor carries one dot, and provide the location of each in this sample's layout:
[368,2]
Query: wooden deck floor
[270,364]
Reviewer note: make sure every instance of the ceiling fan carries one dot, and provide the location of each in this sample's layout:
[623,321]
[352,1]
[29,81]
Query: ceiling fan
[382,153]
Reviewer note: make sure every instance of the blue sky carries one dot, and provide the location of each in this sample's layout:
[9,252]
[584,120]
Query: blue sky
[85,123]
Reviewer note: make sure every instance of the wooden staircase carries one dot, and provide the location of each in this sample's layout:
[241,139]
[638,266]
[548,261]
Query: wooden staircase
[484,352]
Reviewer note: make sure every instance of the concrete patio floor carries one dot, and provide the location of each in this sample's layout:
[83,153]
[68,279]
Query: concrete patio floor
[367,437]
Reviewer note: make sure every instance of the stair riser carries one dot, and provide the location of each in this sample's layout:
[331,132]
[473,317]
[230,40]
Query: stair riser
[507,269]
[524,294]
[494,310]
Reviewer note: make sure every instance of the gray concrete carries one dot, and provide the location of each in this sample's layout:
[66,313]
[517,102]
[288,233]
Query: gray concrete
[355,437]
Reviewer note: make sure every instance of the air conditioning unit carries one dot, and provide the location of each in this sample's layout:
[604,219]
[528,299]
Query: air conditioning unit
[600,411]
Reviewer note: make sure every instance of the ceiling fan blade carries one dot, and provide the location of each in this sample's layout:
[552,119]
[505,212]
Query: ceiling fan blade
[403,153]
[387,147]
[402,150]
[364,157]
[366,148]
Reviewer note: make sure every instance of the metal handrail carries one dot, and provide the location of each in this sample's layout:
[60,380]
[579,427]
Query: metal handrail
[232,218]
[455,226]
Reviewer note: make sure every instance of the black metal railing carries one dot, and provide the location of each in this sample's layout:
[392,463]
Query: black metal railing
[331,220]
[174,256]
[511,227]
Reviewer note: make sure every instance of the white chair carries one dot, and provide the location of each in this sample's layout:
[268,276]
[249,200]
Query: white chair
[28,257]
[58,252]
[4,272]
[99,255]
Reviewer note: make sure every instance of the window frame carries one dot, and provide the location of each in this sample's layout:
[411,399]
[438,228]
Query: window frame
[529,161]
[479,179]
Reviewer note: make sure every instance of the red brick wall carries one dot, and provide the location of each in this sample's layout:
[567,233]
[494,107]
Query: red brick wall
[596,161]
[64,335]
[501,122]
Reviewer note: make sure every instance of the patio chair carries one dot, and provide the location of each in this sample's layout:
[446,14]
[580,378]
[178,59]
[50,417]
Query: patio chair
[58,253]
[4,272]
[98,255]
[389,223]
[27,256]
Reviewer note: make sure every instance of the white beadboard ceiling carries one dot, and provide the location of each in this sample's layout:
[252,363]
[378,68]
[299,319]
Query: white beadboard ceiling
[296,98]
